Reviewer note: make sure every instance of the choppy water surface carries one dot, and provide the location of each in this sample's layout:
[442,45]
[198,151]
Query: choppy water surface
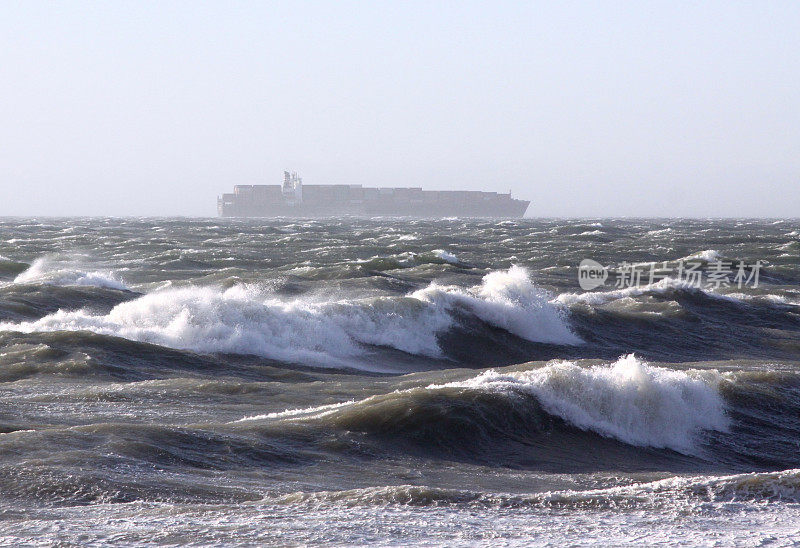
[395,381]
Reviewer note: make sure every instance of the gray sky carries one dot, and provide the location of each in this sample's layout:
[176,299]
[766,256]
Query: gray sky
[586,108]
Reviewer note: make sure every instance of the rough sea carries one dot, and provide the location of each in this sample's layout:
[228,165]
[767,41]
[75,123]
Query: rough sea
[398,382]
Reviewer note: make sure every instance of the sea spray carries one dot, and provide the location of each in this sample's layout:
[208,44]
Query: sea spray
[628,400]
[243,320]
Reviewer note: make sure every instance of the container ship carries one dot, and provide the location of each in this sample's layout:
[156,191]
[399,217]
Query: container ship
[294,199]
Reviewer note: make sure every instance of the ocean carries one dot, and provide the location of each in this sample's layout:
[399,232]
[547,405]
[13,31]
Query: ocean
[399,382]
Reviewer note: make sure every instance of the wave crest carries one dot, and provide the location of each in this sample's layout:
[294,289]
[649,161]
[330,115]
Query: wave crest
[629,400]
[51,270]
[508,299]
[244,320]
[680,492]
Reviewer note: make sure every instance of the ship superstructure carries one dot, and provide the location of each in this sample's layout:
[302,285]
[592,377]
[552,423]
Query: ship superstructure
[295,199]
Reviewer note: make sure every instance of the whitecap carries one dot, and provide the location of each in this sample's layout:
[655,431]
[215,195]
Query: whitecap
[629,400]
[51,270]
[508,299]
[707,255]
[244,319]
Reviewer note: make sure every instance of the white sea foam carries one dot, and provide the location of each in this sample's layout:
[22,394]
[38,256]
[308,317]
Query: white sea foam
[755,486]
[245,320]
[707,255]
[770,297]
[446,256]
[674,492]
[240,320]
[55,271]
[628,400]
[599,298]
[316,412]
[410,259]
[509,300]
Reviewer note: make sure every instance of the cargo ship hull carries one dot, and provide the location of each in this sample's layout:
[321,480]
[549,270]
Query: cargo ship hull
[295,199]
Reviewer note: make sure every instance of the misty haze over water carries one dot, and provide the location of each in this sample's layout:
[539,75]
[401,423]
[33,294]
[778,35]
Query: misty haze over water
[586,109]
[535,281]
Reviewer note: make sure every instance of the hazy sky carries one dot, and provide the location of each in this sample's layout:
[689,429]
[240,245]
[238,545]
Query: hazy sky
[586,108]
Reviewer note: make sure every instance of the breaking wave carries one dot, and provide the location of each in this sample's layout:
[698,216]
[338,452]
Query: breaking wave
[663,287]
[410,260]
[687,491]
[51,270]
[707,256]
[244,320]
[628,400]
[509,300]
